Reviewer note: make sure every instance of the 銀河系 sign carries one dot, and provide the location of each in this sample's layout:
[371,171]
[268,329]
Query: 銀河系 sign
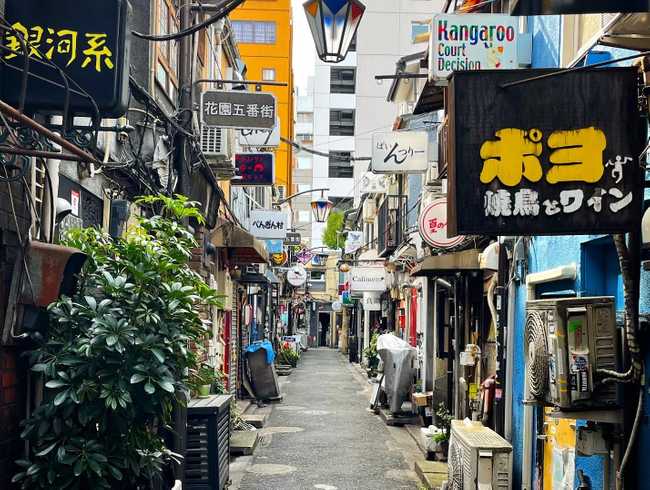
[553,156]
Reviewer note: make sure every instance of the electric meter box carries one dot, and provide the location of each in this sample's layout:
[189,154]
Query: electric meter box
[569,342]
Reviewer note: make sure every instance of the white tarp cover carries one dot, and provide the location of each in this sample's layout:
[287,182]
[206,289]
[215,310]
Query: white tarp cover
[398,358]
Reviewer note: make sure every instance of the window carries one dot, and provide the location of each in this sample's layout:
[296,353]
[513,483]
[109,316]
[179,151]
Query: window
[342,80]
[304,216]
[342,203]
[252,32]
[353,45]
[304,163]
[342,122]
[268,74]
[316,276]
[340,166]
[167,52]
[305,117]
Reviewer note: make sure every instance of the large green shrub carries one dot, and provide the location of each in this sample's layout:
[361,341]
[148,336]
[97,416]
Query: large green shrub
[117,356]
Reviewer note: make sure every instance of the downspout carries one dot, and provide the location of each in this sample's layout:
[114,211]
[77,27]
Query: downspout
[532,280]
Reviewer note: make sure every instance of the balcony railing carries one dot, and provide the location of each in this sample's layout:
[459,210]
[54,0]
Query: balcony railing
[391,220]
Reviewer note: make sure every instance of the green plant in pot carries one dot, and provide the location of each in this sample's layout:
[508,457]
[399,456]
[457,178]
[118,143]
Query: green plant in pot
[202,380]
[287,355]
[116,356]
[371,355]
[441,439]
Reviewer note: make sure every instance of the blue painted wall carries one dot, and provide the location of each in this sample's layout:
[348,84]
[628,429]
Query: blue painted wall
[597,275]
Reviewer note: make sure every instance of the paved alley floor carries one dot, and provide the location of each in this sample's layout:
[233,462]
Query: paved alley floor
[322,435]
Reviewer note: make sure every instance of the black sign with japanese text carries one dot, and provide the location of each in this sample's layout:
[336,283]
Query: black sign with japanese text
[254,169]
[234,109]
[87,40]
[553,156]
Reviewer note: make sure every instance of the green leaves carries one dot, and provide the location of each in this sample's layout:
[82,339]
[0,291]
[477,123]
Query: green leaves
[117,354]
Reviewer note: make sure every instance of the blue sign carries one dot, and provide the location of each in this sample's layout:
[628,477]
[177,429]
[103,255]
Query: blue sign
[274,246]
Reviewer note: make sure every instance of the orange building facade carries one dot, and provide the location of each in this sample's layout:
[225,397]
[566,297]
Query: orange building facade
[263,30]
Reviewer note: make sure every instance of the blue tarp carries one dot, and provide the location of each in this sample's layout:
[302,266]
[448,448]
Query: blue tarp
[266,345]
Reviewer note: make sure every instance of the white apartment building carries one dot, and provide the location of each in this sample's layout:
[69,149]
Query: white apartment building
[390,30]
[304,164]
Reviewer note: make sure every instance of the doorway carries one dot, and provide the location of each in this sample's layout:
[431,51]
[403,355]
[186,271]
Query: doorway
[323,327]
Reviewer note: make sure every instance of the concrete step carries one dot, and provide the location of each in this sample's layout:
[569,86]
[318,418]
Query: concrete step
[243,405]
[398,421]
[432,473]
[243,442]
[257,420]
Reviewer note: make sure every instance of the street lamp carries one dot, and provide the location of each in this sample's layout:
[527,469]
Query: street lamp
[321,208]
[333,24]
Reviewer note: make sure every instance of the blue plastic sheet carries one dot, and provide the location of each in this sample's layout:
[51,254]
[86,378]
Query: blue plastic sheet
[266,345]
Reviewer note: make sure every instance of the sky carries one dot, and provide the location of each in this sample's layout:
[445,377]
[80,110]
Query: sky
[304,53]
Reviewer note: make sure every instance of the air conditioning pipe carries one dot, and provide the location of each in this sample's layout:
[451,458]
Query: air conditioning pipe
[569,271]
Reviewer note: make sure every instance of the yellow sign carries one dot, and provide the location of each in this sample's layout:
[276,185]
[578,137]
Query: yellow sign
[49,43]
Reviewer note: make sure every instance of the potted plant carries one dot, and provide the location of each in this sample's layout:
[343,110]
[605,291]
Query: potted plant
[287,355]
[372,358]
[441,438]
[202,380]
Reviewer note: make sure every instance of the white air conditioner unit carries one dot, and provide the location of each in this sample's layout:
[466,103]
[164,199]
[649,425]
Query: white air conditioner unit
[478,458]
[281,191]
[567,343]
[217,145]
[431,175]
[369,211]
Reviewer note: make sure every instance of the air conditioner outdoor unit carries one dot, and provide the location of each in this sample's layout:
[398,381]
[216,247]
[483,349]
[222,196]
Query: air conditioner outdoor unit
[567,343]
[478,458]
[431,175]
[217,145]
[369,211]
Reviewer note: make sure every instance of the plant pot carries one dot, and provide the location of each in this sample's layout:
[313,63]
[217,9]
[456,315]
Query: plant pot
[204,391]
[442,449]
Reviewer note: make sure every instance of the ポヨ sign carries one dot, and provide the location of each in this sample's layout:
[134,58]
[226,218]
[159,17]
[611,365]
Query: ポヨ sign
[234,109]
[400,152]
[87,40]
[558,155]
[268,224]
[367,279]
[433,225]
[257,138]
[254,169]
[472,42]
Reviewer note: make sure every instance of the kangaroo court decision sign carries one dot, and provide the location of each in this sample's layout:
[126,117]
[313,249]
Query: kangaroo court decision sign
[553,156]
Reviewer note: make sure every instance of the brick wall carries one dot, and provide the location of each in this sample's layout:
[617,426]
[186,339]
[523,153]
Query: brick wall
[12,365]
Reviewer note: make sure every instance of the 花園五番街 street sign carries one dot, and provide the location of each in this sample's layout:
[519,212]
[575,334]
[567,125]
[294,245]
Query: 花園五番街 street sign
[241,110]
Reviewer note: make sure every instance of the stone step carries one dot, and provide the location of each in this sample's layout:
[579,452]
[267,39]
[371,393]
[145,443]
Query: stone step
[257,420]
[243,442]
[432,473]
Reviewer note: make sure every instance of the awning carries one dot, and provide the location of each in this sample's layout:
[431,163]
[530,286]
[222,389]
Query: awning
[243,247]
[253,278]
[431,99]
[628,31]
[401,88]
[436,265]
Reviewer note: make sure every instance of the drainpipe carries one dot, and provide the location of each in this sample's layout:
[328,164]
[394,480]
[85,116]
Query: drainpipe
[532,280]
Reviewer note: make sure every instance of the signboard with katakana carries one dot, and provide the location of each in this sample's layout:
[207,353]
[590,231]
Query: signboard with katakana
[254,169]
[553,156]
[86,40]
[400,152]
[234,109]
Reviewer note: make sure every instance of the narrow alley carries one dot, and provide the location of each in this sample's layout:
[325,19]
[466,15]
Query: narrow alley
[322,435]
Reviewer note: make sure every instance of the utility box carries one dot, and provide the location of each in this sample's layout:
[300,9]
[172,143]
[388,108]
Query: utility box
[207,458]
[569,343]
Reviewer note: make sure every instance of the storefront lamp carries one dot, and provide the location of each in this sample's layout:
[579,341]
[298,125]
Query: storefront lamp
[344,267]
[333,24]
[321,208]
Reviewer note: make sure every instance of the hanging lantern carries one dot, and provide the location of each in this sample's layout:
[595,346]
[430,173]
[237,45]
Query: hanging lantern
[333,24]
[344,267]
[321,208]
